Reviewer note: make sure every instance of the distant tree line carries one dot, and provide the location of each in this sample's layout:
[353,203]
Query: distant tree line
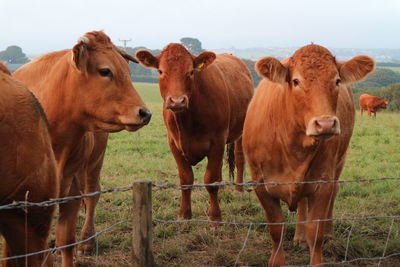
[13,55]
[381,77]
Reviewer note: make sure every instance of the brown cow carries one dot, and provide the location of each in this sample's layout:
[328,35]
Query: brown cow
[371,104]
[27,172]
[205,101]
[298,127]
[82,90]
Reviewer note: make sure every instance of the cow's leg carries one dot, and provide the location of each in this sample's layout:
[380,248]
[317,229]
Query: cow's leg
[369,112]
[20,242]
[92,184]
[361,111]
[273,213]
[214,174]
[186,178]
[328,232]
[318,208]
[239,162]
[66,225]
[299,236]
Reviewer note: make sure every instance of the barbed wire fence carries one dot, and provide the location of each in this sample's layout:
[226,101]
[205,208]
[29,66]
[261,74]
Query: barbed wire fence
[142,253]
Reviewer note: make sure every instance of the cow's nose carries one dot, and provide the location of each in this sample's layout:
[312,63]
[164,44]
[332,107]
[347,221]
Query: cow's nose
[324,126]
[175,103]
[145,115]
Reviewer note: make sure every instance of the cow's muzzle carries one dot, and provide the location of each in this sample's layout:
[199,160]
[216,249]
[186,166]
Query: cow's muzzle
[323,127]
[177,104]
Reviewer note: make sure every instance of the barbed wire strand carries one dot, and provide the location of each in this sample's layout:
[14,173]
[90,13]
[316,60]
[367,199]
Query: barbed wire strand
[253,184]
[244,245]
[51,202]
[279,223]
[348,240]
[26,204]
[387,241]
[68,245]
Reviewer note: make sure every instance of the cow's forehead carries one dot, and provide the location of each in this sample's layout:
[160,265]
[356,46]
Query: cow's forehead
[312,60]
[176,57]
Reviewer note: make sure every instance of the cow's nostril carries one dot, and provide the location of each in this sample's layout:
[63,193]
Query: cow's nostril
[145,115]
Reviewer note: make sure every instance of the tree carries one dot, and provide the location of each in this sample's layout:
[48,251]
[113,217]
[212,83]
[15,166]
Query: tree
[192,44]
[13,55]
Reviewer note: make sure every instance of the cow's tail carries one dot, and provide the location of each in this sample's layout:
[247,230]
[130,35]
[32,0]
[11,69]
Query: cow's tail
[230,152]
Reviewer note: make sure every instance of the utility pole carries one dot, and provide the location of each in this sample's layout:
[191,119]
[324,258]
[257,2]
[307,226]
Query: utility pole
[125,41]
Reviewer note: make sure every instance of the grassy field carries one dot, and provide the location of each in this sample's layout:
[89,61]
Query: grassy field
[374,152]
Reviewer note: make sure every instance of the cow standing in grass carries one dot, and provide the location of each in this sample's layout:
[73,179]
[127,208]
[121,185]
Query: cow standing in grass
[298,127]
[85,92]
[371,104]
[205,98]
[27,173]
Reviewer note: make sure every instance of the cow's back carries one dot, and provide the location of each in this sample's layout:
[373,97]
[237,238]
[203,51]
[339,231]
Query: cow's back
[27,162]
[235,79]
[40,74]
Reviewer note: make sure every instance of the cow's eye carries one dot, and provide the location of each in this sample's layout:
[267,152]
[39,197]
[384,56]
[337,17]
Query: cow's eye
[338,82]
[160,72]
[296,82]
[106,72]
[191,73]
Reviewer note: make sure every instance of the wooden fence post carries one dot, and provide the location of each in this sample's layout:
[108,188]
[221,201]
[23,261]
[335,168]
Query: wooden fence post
[142,228]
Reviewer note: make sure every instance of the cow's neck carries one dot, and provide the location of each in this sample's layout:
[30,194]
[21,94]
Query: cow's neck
[64,119]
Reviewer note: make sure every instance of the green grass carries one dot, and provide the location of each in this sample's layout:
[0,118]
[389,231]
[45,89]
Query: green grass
[374,152]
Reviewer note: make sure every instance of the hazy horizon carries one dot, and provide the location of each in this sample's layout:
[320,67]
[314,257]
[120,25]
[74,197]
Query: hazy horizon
[45,25]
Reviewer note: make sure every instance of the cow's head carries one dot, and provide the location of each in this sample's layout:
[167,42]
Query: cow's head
[383,103]
[177,69]
[313,78]
[105,90]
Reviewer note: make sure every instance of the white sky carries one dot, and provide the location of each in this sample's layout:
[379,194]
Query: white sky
[40,26]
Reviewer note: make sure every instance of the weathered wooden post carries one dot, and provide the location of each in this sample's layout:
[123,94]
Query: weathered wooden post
[142,252]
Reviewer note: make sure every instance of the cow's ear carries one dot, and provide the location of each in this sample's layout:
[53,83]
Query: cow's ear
[81,54]
[203,60]
[147,59]
[356,69]
[272,69]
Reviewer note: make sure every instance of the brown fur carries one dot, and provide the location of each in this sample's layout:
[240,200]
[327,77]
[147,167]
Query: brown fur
[277,145]
[218,89]
[371,104]
[27,172]
[81,106]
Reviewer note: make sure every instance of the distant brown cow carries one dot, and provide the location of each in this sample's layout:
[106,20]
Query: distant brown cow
[205,101]
[298,127]
[371,104]
[83,90]
[27,172]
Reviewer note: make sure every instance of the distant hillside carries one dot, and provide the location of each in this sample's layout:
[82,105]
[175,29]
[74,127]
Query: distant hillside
[381,77]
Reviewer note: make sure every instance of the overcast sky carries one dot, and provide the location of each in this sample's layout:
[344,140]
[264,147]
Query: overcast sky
[40,26]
